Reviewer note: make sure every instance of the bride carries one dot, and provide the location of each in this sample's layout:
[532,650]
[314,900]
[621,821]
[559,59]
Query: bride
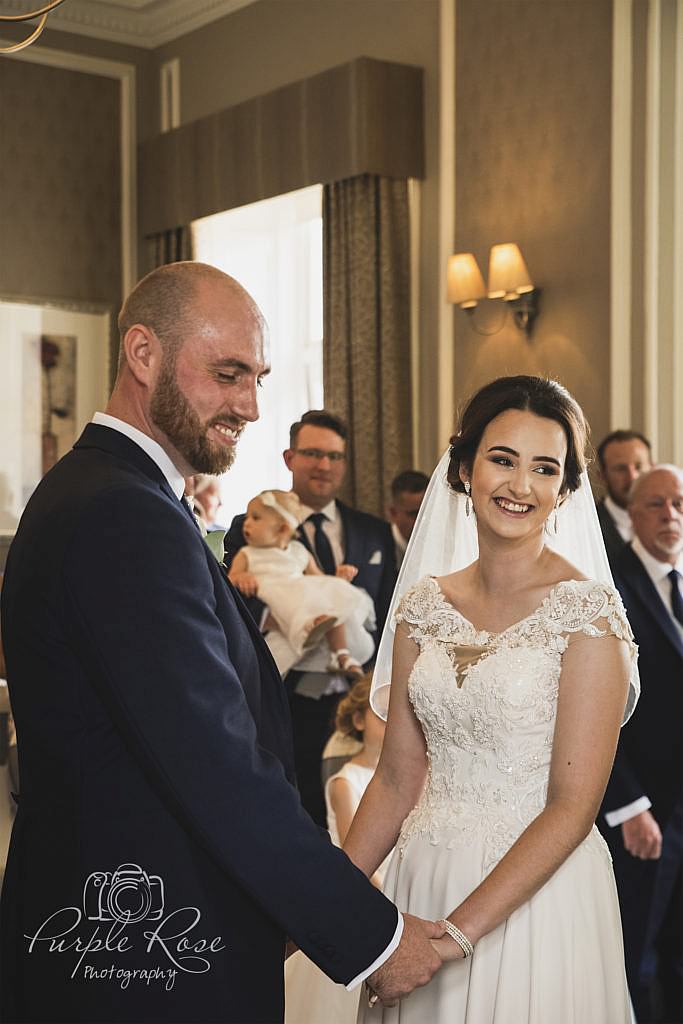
[511,676]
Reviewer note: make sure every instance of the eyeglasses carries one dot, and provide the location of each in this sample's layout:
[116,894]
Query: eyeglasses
[318,454]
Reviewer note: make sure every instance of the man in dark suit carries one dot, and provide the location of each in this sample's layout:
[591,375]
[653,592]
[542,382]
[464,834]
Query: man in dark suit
[160,852]
[622,456]
[643,805]
[337,535]
[406,493]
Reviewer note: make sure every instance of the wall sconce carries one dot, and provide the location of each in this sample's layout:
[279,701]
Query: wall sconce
[509,280]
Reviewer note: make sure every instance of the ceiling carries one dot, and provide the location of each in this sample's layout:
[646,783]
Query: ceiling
[145,23]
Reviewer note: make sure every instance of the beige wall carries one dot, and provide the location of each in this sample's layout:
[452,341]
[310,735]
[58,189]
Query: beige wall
[533,115]
[142,61]
[274,42]
[59,184]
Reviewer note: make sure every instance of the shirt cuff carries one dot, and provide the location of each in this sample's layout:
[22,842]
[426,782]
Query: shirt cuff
[382,958]
[622,814]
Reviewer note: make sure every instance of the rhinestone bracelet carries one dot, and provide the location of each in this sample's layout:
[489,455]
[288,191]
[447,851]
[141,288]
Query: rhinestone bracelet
[455,933]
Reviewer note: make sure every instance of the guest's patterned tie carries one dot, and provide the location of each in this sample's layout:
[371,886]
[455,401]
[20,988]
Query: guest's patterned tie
[676,598]
[321,544]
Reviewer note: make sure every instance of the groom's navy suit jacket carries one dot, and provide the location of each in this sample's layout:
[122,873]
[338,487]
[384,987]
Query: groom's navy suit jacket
[649,759]
[154,737]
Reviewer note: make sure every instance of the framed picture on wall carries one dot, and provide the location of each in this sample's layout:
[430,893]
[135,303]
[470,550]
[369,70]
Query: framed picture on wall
[56,375]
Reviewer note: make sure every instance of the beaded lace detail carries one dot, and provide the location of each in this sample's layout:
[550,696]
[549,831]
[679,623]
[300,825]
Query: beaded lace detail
[487,704]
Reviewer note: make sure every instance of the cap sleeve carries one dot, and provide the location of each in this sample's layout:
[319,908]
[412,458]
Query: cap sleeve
[416,604]
[599,611]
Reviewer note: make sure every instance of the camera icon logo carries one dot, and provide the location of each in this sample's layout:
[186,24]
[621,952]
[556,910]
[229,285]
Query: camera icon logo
[128,895]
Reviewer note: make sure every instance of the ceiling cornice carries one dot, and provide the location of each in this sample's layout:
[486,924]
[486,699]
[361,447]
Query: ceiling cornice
[144,23]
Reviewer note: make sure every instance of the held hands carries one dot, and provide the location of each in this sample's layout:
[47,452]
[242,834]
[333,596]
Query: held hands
[448,949]
[412,964]
[642,836]
[346,572]
[246,583]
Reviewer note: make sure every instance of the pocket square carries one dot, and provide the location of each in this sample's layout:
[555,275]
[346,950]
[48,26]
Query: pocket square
[375,558]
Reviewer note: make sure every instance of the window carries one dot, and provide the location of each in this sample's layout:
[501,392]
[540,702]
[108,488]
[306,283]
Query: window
[274,249]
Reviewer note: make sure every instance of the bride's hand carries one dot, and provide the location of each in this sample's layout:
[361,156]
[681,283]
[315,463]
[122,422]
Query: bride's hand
[448,949]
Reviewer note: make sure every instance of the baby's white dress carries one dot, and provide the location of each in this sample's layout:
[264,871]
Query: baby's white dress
[295,600]
[487,704]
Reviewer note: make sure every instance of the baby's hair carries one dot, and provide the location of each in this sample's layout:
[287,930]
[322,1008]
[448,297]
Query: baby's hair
[357,699]
[287,501]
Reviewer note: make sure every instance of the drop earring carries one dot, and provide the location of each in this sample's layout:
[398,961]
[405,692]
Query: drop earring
[468,503]
[551,523]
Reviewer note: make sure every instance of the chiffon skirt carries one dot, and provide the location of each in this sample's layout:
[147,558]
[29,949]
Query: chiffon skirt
[558,959]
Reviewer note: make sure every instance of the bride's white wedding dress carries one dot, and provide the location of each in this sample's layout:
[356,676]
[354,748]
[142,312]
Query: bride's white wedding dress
[487,705]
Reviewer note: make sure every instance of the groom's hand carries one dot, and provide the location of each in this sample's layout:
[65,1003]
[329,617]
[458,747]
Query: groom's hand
[413,963]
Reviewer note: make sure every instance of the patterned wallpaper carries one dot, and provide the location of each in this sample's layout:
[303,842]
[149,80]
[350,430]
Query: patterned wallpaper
[59,184]
[533,121]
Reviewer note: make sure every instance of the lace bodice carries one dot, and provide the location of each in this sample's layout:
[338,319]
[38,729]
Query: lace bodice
[487,704]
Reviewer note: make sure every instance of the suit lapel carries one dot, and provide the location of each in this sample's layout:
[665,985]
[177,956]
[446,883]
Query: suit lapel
[613,539]
[648,595]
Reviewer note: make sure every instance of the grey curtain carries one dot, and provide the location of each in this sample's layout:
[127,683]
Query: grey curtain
[168,247]
[366,287]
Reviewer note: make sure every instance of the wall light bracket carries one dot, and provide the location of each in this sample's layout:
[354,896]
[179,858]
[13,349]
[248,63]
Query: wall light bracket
[524,309]
[508,281]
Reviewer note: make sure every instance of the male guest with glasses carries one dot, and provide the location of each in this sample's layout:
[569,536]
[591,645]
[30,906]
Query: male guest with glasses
[642,813]
[336,535]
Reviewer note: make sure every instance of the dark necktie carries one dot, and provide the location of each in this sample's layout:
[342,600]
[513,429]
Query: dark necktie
[676,598]
[186,503]
[321,544]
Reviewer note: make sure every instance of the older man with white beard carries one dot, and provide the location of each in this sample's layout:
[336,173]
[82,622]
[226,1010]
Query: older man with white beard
[642,813]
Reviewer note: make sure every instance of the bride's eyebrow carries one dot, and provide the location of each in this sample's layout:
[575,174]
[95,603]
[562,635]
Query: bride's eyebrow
[536,458]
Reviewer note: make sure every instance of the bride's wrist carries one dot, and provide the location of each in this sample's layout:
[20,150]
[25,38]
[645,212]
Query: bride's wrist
[458,936]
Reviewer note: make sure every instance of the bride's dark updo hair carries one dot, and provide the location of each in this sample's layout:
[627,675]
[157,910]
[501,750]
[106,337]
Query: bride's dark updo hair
[538,395]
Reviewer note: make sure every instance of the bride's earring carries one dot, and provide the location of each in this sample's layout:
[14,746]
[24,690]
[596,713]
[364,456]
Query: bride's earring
[468,503]
[551,521]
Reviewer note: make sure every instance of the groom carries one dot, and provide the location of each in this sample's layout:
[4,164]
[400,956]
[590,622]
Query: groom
[160,853]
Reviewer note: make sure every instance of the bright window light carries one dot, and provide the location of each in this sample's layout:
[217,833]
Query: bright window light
[274,249]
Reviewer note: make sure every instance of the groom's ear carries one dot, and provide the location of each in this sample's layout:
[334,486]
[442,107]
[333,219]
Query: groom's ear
[143,353]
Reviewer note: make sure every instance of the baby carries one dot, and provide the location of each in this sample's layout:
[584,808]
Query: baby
[306,604]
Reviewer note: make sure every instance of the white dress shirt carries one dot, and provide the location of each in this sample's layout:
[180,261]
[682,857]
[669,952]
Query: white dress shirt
[622,519]
[177,482]
[659,574]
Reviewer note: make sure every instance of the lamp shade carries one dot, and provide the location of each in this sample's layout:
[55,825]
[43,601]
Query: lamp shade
[508,274]
[465,283]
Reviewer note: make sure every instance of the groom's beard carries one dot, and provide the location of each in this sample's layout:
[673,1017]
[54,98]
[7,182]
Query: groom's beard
[175,417]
